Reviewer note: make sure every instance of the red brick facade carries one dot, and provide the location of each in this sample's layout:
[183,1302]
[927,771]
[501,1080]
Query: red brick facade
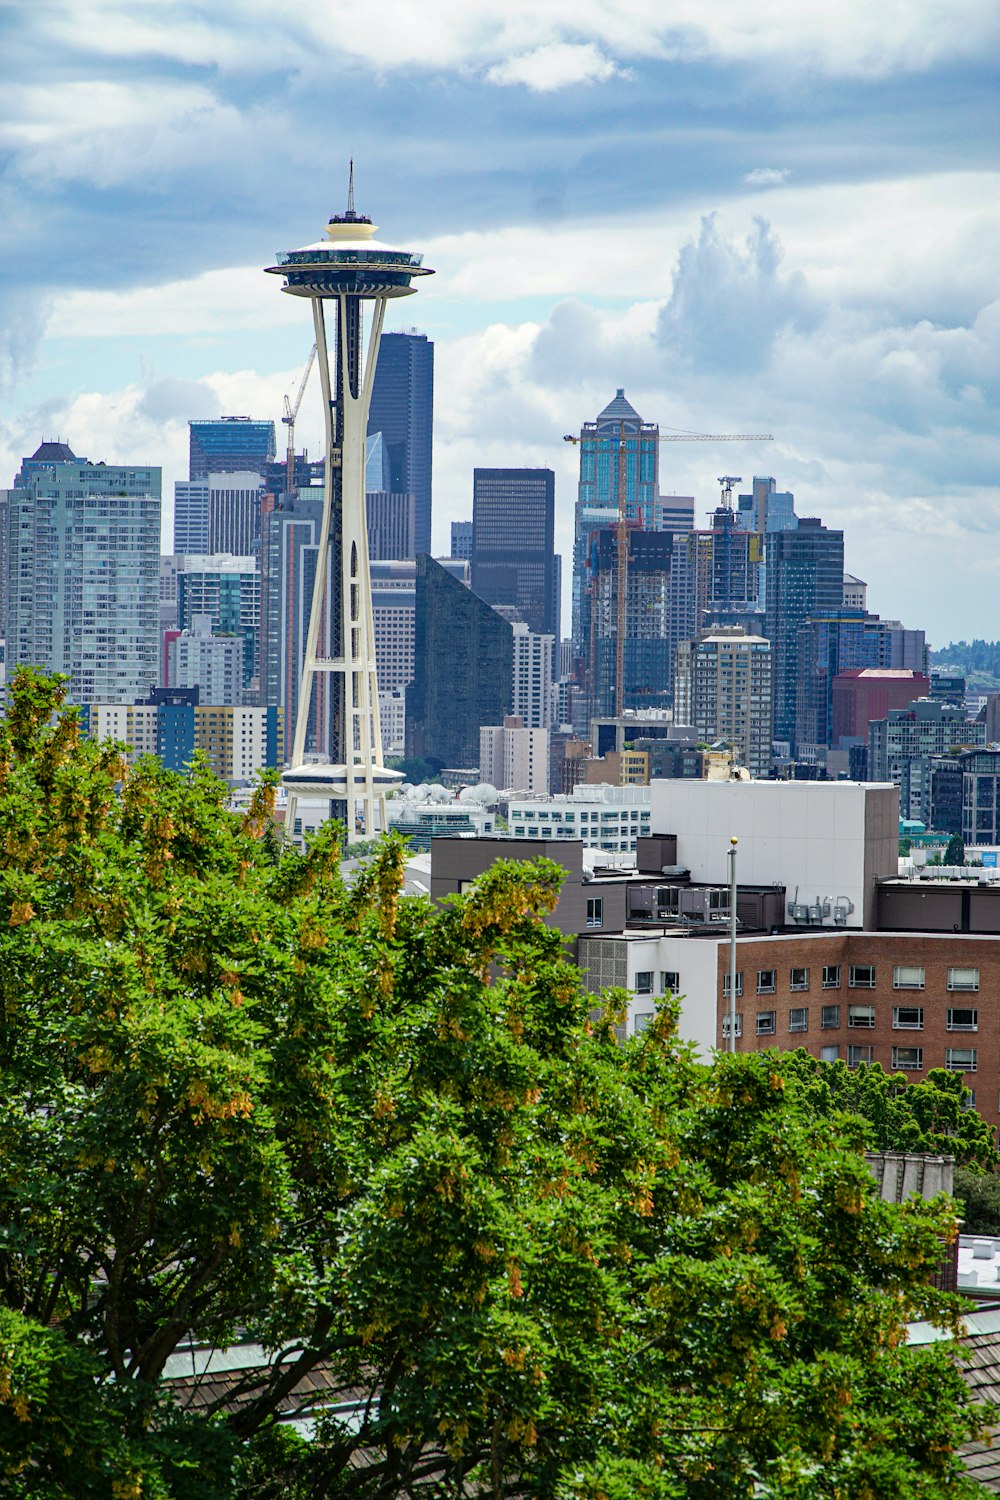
[909,1020]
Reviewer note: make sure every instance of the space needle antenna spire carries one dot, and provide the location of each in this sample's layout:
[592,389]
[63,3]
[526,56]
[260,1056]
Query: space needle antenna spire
[337,744]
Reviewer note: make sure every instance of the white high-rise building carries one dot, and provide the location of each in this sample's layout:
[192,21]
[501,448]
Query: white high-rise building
[211,663]
[84,574]
[722,686]
[533,697]
[220,513]
[513,757]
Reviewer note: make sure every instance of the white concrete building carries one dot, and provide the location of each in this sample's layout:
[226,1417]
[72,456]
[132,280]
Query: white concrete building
[513,757]
[533,698]
[392,712]
[211,663]
[825,841]
[604,817]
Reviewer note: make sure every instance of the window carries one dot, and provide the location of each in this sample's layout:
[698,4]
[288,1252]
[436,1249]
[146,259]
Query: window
[767,981]
[861,977]
[907,1018]
[907,1059]
[799,979]
[670,981]
[766,1020]
[642,1021]
[725,1026]
[595,911]
[861,1016]
[831,976]
[858,1055]
[798,1018]
[830,1017]
[904,978]
[829,1054]
[739,985]
[963,1020]
[963,979]
[960,1059]
[644,982]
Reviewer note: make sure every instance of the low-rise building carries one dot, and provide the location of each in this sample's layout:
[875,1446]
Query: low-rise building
[604,817]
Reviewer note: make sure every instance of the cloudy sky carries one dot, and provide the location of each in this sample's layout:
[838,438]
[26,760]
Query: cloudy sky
[755,215]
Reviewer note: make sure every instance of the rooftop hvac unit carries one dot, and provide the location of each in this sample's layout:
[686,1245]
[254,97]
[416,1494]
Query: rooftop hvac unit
[709,904]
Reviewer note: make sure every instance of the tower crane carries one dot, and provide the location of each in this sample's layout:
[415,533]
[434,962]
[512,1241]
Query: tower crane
[621,564]
[291,412]
[727,481]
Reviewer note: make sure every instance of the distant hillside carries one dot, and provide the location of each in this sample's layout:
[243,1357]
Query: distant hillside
[978,661]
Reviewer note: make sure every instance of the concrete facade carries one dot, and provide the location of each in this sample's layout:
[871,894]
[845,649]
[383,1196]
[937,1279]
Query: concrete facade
[826,842]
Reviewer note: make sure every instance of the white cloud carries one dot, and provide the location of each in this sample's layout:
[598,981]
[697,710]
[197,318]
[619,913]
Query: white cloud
[765,177]
[105,133]
[557,66]
[841,37]
[237,298]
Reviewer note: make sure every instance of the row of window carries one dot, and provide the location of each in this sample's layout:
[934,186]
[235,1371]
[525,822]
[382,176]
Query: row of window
[859,977]
[904,1059]
[861,1018]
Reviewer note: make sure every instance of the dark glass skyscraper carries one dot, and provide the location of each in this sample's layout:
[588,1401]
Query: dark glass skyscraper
[513,543]
[463,669]
[649,646]
[402,410]
[227,445]
[805,578]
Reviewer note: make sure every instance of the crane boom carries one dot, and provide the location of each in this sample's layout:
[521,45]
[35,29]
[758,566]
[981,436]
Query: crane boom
[291,412]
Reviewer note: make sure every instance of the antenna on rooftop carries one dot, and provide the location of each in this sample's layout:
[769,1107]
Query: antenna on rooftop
[350,188]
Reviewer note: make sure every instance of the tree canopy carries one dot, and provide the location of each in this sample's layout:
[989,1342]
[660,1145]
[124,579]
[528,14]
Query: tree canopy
[932,1115]
[390,1143]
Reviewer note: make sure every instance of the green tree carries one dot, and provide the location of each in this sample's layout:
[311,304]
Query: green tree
[933,1115]
[389,1142]
[955,852]
[978,1197]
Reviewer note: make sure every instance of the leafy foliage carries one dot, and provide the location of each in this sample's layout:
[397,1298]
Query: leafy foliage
[955,852]
[933,1115]
[241,1100]
[978,1198]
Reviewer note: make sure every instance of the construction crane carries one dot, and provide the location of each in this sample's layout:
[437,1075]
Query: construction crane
[727,481]
[291,412]
[621,566]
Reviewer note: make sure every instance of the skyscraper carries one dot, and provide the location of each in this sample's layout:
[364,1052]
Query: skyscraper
[461,539]
[648,646]
[402,410]
[723,688]
[463,669]
[513,543]
[228,445]
[602,466]
[227,589]
[84,574]
[805,578]
[289,541]
[831,643]
[218,513]
[390,525]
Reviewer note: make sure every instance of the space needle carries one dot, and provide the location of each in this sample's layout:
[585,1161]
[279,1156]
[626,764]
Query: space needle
[347,268]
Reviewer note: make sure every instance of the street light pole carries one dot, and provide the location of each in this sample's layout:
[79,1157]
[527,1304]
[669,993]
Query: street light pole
[732,944]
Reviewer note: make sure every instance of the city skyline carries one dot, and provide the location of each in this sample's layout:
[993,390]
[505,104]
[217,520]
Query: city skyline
[775,222]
